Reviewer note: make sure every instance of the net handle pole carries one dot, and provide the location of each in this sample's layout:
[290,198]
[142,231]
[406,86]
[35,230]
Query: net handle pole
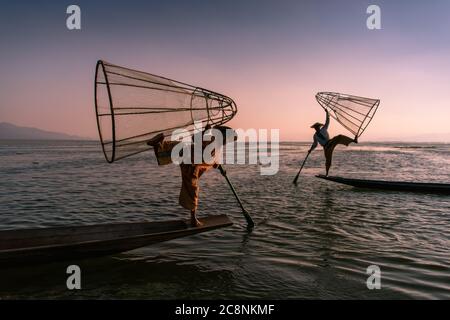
[299,171]
[248,218]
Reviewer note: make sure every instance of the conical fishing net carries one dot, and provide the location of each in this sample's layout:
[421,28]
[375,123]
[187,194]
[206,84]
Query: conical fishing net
[134,106]
[352,112]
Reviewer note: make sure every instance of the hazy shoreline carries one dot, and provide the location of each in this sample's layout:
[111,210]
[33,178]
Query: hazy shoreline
[283,142]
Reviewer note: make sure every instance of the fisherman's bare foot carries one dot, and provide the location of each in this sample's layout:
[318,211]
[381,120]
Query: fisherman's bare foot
[155,140]
[195,222]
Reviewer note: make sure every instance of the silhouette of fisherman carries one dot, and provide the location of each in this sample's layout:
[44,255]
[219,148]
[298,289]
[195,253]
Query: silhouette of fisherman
[190,172]
[323,138]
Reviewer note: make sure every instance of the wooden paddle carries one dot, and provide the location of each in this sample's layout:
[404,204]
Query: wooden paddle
[303,164]
[248,218]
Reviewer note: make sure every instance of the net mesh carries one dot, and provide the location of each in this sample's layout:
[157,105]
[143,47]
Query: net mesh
[134,106]
[352,112]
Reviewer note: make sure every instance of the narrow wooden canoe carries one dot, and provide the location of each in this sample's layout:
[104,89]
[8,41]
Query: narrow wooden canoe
[67,243]
[440,188]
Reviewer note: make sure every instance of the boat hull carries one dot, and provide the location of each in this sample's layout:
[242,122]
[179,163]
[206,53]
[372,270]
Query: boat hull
[438,188]
[43,245]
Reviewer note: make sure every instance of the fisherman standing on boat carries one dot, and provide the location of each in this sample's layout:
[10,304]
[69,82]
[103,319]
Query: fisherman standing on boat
[323,138]
[190,172]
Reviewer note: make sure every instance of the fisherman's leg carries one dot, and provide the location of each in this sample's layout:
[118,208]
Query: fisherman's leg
[194,221]
[341,139]
[328,150]
[155,140]
[189,191]
[199,170]
[163,151]
[328,159]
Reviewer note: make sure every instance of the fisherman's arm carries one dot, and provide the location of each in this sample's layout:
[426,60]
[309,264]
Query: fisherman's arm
[314,145]
[327,121]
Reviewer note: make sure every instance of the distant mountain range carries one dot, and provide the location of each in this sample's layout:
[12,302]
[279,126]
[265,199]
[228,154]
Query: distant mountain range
[10,131]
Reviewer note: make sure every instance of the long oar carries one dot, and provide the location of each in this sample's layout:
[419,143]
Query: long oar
[303,164]
[250,223]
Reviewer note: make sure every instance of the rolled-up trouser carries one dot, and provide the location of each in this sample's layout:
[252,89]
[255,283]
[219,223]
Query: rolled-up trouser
[331,144]
[190,175]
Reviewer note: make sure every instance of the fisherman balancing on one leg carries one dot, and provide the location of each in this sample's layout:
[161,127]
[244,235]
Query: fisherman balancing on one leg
[323,138]
[190,172]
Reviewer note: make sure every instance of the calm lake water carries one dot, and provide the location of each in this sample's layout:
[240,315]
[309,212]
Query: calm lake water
[311,241]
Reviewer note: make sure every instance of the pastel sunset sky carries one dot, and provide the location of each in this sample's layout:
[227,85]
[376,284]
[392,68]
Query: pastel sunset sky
[271,57]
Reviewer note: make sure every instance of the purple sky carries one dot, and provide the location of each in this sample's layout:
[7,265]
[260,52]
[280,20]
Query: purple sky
[271,57]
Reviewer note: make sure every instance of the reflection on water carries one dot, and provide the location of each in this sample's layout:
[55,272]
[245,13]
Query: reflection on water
[311,241]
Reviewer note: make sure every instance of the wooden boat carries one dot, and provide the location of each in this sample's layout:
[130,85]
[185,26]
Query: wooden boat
[67,243]
[440,188]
